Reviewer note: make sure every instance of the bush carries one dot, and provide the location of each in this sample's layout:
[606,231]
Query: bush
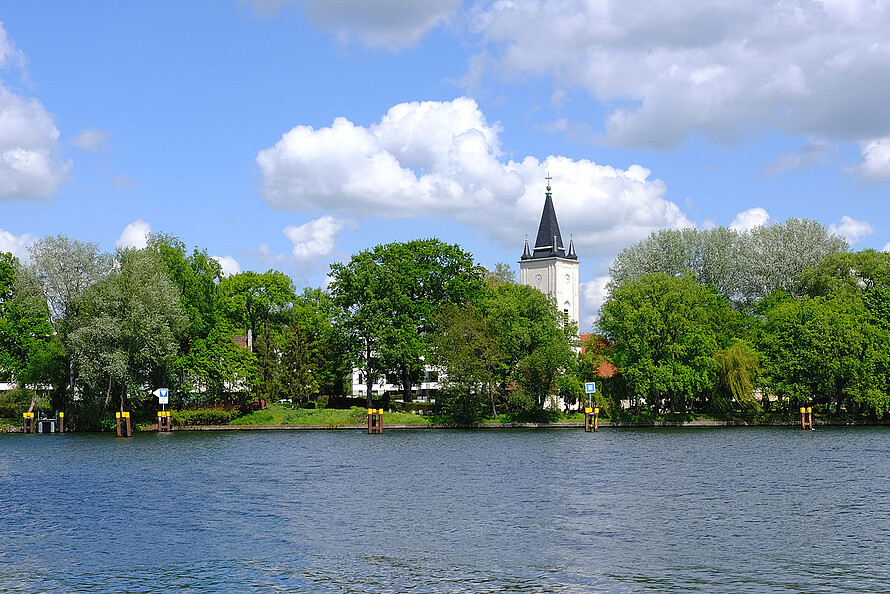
[202,416]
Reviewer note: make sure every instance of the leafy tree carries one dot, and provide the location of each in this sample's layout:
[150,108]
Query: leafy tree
[65,269]
[744,267]
[323,343]
[62,271]
[256,301]
[533,342]
[297,367]
[664,332]
[389,296]
[30,352]
[126,339]
[267,378]
[471,355]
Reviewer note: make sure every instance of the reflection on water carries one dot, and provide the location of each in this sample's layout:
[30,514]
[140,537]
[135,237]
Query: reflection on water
[752,510]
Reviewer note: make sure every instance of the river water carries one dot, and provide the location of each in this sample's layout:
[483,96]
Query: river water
[622,510]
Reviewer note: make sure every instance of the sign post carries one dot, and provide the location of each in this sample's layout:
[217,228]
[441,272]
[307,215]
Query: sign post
[163,395]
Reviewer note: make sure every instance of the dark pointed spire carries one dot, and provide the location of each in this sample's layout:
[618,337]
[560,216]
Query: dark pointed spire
[572,255]
[548,244]
[526,254]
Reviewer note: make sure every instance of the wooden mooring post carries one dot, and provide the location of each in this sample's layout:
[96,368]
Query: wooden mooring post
[591,419]
[124,428]
[164,425]
[28,422]
[806,418]
[375,421]
[61,422]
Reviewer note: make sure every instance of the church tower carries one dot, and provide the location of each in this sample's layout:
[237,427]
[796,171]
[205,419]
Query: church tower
[549,267]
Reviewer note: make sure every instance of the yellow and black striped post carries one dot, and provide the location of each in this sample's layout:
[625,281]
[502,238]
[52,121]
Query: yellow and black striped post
[375,421]
[28,422]
[124,428]
[164,425]
[588,419]
[596,419]
[806,418]
[61,422]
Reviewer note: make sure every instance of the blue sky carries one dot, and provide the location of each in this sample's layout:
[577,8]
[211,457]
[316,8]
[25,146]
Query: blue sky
[289,134]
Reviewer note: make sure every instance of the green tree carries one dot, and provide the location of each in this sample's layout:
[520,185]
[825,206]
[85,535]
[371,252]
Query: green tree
[323,342]
[256,301]
[298,365]
[465,347]
[389,296]
[126,338]
[744,267]
[534,342]
[665,331]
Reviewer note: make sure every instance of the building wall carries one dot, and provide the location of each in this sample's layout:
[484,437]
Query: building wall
[556,277]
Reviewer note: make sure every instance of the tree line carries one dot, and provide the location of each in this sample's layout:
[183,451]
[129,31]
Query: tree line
[718,321]
[101,331]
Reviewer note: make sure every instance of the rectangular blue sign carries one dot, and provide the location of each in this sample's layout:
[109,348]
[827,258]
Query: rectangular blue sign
[590,387]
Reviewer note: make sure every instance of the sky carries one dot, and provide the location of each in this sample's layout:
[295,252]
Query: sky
[290,134]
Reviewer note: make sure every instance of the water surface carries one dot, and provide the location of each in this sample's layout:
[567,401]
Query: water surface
[623,510]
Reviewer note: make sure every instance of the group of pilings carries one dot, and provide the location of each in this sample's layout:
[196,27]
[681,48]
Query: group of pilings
[31,424]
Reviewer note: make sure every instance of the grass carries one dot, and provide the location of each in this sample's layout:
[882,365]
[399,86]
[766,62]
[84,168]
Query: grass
[283,414]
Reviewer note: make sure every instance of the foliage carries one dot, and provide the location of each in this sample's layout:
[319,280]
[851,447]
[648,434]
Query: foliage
[388,297]
[737,368]
[202,416]
[664,332]
[126,338]
[744,267]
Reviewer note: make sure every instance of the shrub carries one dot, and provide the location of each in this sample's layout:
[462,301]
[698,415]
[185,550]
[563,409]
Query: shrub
[202,416]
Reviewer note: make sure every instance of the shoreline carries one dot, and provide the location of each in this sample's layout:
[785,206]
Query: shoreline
[698,424]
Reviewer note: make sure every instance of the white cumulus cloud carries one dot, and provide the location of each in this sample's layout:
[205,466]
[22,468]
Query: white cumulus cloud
[28,143]
[876,159]
[228,264]
[718,69]
[315,238]
[29,169]
[851,229]
[444,159]
[17,245]
[135,235]
[748,219]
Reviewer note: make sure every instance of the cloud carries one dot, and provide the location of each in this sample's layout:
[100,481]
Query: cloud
[876,164]
[29,139]
[717,69]
[123,182]
[886,248]
[8,53]
[392,24]
[593,294]
[92,140]
[17,245]
[229,265]
[747,220]
[315,238]
[851,229]
[815,151]
[443,159]
[135,235]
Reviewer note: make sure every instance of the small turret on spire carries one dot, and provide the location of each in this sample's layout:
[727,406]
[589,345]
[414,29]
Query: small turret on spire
[526,253]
